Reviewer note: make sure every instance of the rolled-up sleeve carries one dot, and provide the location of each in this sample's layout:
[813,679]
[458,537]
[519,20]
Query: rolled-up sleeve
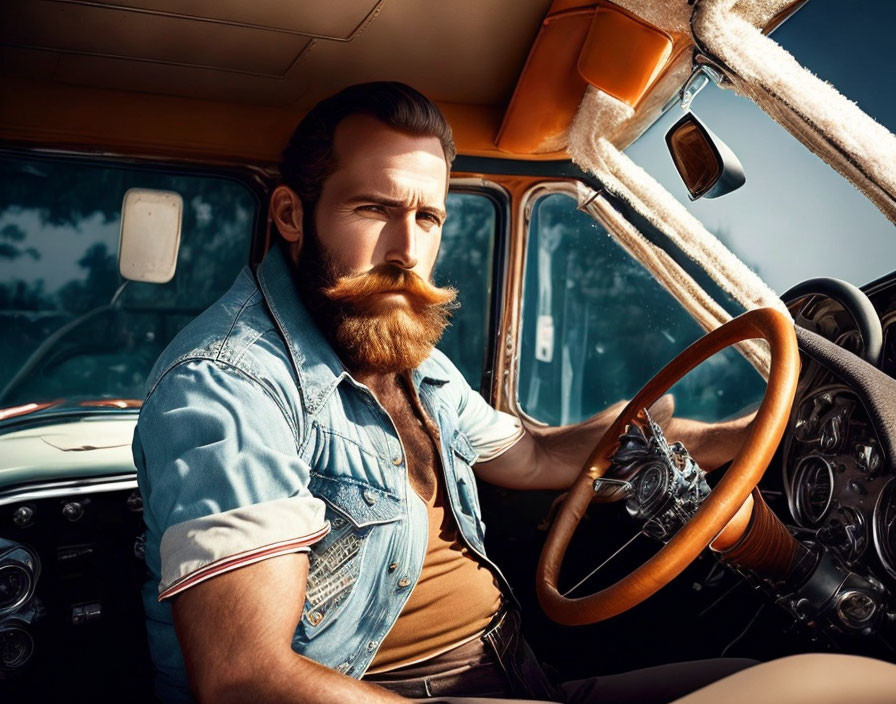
[222,480]
[490,432]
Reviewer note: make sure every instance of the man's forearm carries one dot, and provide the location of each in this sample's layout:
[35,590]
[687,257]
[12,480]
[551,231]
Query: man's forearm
[552,458]
[548,457]
[710,444]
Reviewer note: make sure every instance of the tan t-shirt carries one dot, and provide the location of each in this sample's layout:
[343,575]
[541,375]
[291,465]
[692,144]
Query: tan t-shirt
[453,601]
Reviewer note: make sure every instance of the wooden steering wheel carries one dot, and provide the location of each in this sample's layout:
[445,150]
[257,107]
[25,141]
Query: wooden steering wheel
[719,507]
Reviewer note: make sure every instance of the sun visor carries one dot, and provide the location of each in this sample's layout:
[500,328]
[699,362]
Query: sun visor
[623,55]
[599,44]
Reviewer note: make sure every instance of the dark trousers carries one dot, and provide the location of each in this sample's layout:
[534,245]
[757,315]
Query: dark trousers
[500,665]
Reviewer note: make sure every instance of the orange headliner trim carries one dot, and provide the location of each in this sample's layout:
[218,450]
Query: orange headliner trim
[56,115]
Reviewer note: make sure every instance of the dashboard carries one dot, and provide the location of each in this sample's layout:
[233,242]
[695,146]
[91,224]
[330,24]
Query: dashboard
[71,567]
[836,466]
[837,480]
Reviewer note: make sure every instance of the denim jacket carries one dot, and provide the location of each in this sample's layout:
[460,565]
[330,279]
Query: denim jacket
[254,441]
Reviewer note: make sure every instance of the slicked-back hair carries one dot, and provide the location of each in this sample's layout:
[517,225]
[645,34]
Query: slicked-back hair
[309,159]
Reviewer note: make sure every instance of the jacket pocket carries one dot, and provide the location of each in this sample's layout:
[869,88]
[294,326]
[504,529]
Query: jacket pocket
[363,505]
[354,510]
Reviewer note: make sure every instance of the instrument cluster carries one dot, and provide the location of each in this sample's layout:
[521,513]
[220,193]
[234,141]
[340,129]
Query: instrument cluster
[71,566]
[836,478]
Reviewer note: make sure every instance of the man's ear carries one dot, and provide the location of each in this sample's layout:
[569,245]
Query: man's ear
[287,212]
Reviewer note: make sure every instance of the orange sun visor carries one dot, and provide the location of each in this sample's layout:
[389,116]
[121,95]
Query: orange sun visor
[597,43]
[623,54]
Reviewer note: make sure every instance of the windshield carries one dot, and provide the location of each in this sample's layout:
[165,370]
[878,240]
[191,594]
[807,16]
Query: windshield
[796,218]
[72,328]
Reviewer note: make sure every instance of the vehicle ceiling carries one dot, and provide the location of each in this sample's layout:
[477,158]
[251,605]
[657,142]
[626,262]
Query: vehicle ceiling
[273,53]
[226,80]
[269,58]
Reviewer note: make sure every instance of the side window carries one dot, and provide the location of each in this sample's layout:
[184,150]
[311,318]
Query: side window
[72,328]
[466,263]
[596,327]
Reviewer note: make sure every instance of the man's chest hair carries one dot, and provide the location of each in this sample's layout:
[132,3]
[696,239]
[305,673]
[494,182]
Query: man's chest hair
[418,433]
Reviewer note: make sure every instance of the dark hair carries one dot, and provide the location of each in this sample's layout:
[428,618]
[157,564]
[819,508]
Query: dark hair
[309,159]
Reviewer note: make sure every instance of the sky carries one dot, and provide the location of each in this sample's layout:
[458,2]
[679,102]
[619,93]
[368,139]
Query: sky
[796,218]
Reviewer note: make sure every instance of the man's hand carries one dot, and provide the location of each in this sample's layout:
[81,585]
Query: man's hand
[236,631]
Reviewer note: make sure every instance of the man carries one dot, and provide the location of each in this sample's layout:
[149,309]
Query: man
[305,454]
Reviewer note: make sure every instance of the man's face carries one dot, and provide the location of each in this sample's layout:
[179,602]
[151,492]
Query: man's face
[366,262]
[385,202]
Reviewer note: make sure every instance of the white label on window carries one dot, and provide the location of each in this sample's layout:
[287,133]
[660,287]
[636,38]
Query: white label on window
[544,338]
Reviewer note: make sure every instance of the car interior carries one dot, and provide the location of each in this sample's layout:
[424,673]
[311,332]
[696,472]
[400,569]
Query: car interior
[581,277]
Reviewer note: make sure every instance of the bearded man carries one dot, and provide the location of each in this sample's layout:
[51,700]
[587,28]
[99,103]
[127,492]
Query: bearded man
[305,454]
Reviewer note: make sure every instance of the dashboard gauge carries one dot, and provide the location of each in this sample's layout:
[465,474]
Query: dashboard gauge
[16,647]
[813,484]
[885,527]
[15,586]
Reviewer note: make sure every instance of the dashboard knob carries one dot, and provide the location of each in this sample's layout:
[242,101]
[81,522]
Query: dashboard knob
[831,433]
[73,510]
[22,516]
[135,501]
[868,458]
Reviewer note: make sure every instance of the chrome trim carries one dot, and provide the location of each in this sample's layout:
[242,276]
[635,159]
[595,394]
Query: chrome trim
[583,195]
[882,554]
[500,269]
[477,182]
[50,490]
[29,590]
[9,627]
[797,504]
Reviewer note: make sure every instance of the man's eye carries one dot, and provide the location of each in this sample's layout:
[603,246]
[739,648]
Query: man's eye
[430,218]
[372,208]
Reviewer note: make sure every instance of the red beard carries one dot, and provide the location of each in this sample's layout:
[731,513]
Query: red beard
[387,320]
[372,329]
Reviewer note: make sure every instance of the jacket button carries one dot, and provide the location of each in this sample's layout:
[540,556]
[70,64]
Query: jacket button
[371,645]
[393,566]
[396,460]
[404,582]
[369,497]
[315,617]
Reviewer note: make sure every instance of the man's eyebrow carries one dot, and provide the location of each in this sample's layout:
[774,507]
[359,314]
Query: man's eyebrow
[394,203]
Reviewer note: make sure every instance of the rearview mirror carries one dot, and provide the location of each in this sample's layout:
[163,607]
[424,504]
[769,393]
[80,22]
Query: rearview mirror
[705,163]
[150,235]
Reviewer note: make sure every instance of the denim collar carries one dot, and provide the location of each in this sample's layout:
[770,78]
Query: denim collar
[317,366]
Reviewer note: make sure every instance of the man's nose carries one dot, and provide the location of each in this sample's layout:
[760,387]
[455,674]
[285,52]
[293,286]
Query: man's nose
[402,241]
